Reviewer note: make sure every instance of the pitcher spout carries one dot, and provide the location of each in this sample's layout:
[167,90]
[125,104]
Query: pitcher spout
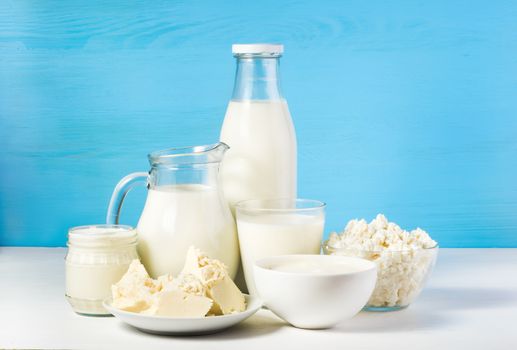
[186,156]
[217,153]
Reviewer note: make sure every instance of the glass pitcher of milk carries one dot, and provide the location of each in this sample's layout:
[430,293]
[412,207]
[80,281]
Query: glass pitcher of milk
[261,163]
[184,207]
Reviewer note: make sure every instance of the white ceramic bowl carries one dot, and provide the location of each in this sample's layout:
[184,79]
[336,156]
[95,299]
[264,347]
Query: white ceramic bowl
[314,291]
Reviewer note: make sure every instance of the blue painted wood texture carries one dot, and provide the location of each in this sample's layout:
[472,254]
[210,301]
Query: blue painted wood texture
[407,108]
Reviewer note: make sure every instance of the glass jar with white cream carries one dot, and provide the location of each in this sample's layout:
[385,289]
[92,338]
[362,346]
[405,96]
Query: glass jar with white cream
[98,256]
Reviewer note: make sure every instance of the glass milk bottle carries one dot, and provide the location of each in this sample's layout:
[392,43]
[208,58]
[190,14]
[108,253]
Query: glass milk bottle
[261,161]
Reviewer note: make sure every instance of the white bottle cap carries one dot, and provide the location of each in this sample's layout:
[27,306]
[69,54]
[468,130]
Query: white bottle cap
[257,48]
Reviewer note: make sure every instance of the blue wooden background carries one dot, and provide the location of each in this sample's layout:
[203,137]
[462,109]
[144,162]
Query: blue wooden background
[404,107]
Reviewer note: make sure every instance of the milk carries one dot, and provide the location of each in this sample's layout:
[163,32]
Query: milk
[261,161]
[178,216]
[266,235]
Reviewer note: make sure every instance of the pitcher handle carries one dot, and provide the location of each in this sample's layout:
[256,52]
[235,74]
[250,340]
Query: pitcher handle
[120,192]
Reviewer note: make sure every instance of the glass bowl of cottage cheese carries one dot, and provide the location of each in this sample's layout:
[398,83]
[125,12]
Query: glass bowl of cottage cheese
[404,259]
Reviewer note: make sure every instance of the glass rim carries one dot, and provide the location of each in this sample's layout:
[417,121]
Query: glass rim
[326,245]
[165,156]
[242,205]
[258,55]
[106,226]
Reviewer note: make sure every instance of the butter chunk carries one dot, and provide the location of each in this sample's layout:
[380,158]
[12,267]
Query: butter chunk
[188,283]
[177,303]
[202,288]
[134,292]
[226,296]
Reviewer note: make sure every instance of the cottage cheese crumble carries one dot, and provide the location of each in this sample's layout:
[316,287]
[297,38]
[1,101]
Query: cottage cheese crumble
[403,258]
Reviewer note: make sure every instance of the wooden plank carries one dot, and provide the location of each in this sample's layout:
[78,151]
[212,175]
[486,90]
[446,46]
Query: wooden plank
[403,108]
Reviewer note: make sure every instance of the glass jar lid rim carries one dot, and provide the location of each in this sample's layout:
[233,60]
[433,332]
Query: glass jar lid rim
[101,235]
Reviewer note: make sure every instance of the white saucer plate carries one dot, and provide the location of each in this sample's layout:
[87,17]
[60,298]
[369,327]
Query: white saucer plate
[184,326]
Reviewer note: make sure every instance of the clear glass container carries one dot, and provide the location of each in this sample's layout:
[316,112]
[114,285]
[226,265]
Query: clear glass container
[401,275]
[257,76]
[277,227]
[262,160]
[184,207]
[98,256]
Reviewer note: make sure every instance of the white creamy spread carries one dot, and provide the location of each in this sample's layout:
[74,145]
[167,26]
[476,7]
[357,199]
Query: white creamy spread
[97,257]
[203,288]
[403,258]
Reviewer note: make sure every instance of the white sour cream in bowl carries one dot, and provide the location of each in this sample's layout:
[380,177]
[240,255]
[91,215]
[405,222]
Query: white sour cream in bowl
[314,291]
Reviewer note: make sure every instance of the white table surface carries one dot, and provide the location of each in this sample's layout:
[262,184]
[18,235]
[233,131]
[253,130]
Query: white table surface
[469,303]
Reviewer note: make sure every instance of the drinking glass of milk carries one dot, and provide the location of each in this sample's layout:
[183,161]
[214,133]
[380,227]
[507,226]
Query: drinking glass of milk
[268,227]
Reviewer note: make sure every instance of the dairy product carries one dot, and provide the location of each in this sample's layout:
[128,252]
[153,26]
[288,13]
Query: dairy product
[379,235]
[313,267]
[92,282]
[134,292]
[178,216]
[97,257]
[138,292]
[177,303]
[261,161]
[212,274]
[404,259]
[203,287]
[276,234]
